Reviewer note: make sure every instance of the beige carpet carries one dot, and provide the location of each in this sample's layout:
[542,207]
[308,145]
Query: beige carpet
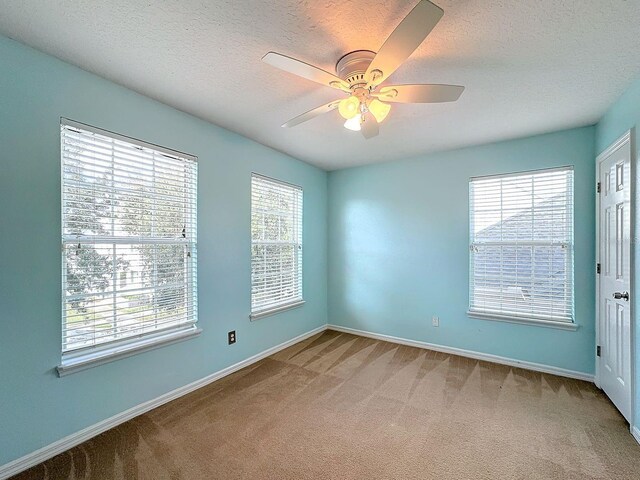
[337,406]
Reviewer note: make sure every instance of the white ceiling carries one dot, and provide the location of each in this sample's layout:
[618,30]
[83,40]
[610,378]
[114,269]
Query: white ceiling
[529,67]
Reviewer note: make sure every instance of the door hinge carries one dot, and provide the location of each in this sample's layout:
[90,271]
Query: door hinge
[597,268]
[598,187]
[598,350]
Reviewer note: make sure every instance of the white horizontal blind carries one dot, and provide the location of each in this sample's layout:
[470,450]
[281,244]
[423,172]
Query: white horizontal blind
[128,238]
[276,244]
[521,250]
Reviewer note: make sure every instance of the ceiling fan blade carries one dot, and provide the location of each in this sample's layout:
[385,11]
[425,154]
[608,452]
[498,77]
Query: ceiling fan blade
[369,127]
[312,114]
[403,41]
[419,93]
[305,70]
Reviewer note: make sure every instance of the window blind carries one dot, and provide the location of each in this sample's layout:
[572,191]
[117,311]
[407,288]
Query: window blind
[521,246]
[276,244]
[128,238]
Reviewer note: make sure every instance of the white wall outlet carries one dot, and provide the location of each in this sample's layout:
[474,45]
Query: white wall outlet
[435,321]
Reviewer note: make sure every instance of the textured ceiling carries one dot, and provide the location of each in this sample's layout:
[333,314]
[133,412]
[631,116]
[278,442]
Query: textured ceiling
[528,66]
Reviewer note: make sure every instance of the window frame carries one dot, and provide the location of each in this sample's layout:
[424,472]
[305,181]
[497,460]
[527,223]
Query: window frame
[297,301]
[81,358]
[538,320]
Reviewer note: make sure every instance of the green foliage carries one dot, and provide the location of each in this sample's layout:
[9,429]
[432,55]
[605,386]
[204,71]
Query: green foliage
[163,265]
[87,270]
[116,205]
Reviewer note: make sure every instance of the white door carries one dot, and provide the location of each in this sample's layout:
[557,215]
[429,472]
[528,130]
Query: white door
[614,332]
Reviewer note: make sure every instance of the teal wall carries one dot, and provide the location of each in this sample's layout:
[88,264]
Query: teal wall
[396,235]
[399,249]
[37,407]
[622,116]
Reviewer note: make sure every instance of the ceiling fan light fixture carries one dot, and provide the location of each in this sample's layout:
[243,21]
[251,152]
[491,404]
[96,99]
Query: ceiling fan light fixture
[363,74]
[349,107]
[379,109]
[353,124]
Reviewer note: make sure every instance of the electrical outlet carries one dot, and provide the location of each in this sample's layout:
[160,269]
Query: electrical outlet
[232,337]
[435,321]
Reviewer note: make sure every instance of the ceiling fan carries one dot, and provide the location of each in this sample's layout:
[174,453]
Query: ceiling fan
[360,75]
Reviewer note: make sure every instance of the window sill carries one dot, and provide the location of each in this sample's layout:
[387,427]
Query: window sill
[76,362]
[571,326]
[278,309]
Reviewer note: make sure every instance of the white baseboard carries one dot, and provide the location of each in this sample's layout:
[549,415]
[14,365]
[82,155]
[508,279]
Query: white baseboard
[34,458]
[55,448]
[538,367]
[636,433]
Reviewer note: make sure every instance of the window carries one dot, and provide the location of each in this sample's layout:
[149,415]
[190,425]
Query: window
[128,241]
[521,248]
[276,246]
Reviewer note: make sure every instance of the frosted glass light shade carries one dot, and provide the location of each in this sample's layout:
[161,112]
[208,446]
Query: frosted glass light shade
[379,109]
[349,107]
[353,124]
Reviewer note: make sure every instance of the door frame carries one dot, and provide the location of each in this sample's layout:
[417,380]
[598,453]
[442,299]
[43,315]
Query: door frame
[628,136]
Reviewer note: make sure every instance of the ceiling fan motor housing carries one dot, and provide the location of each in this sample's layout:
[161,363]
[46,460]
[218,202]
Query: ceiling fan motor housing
[352,67]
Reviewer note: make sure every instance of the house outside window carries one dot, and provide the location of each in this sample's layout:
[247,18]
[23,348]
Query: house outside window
[276,246]
[129,270]
[521,246]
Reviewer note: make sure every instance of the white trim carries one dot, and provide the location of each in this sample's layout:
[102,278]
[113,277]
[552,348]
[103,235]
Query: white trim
[614,146]
[60,446]
[487,357]
[628,136]
[276,180]
[274,291]
[70,441]
[73,362]
[273,310]
[632,280]
[539,322]
[124,138]
[521,172]
[596,378]
[548,315]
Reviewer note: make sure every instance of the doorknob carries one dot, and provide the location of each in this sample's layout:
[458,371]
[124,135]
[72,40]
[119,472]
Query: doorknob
[624,296]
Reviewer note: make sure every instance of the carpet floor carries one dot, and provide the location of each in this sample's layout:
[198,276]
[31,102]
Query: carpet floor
[339,406]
